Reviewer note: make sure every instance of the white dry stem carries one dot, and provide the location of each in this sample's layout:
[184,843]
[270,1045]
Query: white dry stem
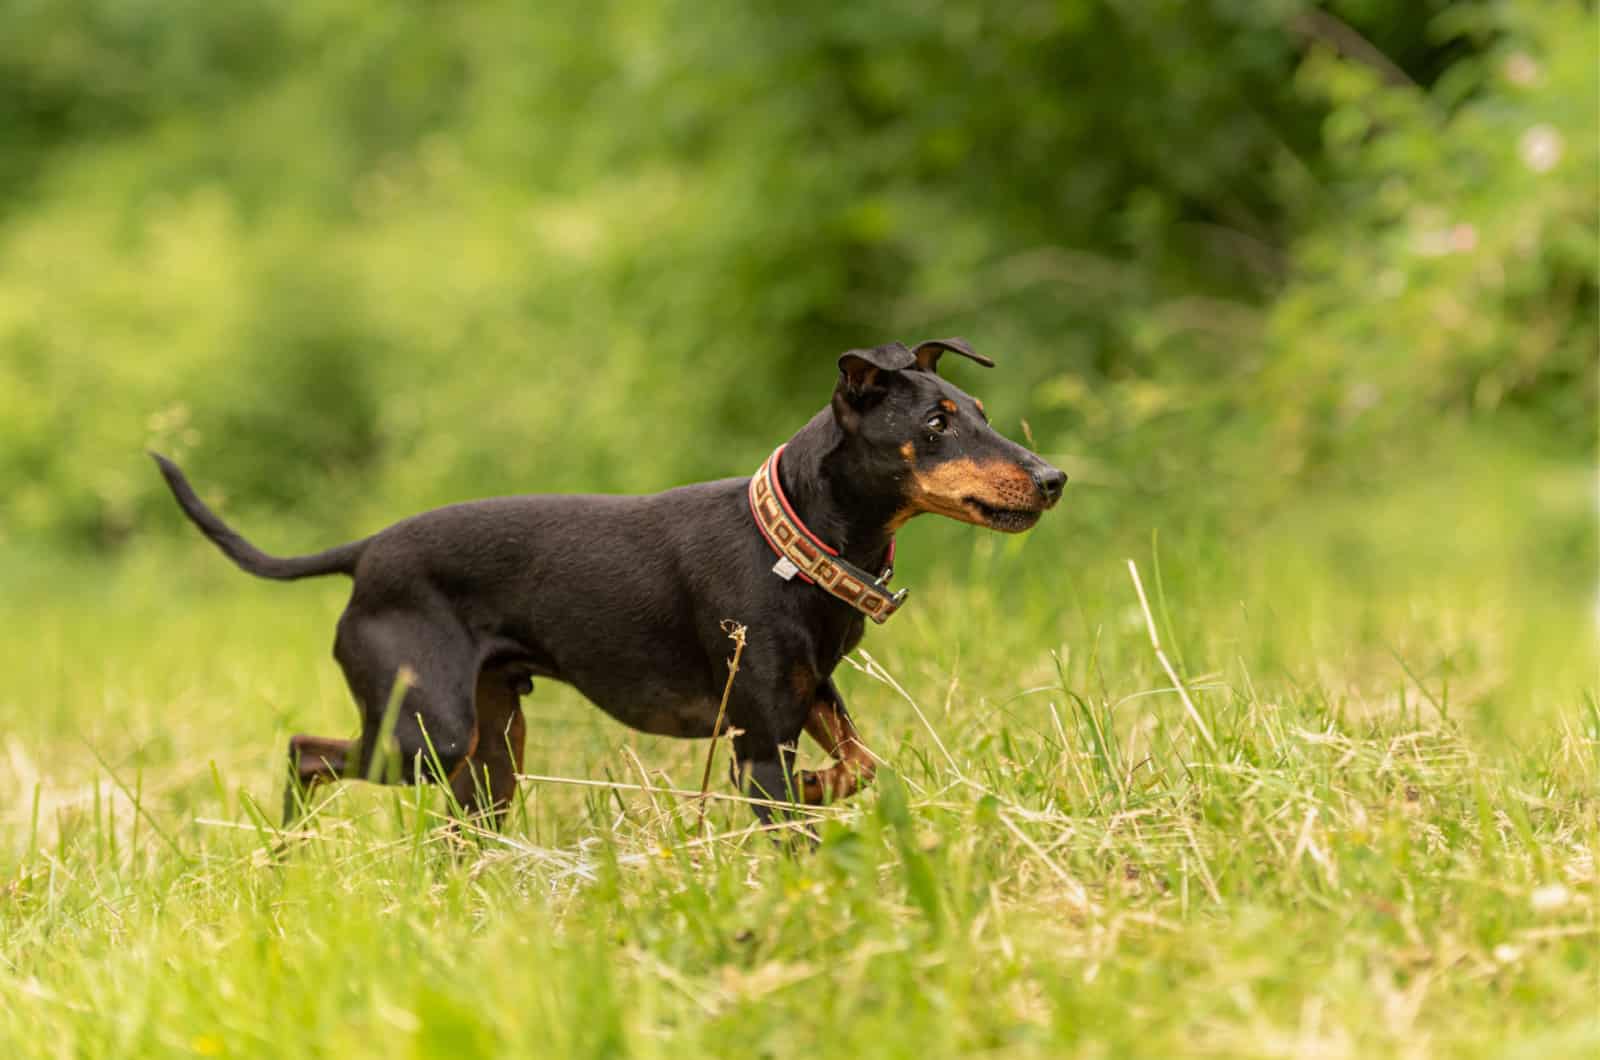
[874,669]
[1161,657]
[1075,890]
[680,793]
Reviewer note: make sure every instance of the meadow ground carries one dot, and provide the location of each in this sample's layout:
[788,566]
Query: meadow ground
[1376,835]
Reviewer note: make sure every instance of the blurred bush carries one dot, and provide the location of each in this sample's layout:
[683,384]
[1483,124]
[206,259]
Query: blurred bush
[1453,272]
[80,71]
[343,250]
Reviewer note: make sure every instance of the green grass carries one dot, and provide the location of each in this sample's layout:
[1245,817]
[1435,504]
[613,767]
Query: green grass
[1391,850]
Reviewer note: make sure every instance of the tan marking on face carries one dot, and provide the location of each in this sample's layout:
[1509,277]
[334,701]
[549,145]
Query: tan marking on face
[949,406]
[981,409]
[909,452]
[947,489]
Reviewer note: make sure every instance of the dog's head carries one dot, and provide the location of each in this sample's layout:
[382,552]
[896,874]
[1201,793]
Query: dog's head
[906,426]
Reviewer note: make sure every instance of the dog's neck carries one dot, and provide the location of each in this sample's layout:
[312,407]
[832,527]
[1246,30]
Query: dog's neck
[828,490]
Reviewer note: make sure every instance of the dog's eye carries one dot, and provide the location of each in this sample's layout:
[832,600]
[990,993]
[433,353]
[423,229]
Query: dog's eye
[938,423]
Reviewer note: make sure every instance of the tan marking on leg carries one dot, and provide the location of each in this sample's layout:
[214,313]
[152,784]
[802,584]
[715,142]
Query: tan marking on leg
[803,679]
[314,760]
[855,766]
[320,758]
[499,739]
[472,745]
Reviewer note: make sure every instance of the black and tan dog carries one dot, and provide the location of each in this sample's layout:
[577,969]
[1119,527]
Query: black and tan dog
[624,597]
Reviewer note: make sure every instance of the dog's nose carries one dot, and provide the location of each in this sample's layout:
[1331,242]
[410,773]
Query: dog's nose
[1051,481]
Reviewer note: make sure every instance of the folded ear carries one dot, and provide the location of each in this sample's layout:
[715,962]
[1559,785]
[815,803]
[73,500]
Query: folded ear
[927,354]
[861,382]
[859,369]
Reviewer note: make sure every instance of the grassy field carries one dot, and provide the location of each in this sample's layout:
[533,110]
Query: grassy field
[1376,834]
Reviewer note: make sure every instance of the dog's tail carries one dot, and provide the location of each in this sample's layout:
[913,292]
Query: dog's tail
[338,560]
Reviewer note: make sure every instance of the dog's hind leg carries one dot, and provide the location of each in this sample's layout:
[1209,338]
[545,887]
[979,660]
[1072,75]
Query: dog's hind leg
[412,674]
[489,782]
[429,663]
[313,760]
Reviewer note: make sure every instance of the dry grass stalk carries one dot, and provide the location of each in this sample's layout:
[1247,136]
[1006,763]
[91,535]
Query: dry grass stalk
[1161,657]
[736,633]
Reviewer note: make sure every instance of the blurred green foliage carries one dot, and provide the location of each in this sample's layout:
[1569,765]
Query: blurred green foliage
[342,250]
[1456,273]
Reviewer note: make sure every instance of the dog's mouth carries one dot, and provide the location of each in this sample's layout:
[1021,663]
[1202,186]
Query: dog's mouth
[1006,520]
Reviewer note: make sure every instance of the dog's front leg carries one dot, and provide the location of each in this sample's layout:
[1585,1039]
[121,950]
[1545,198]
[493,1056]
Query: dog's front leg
[854,766]
[766,774]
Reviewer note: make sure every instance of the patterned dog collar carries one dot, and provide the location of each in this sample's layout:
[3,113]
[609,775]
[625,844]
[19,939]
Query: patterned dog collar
[802,552]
